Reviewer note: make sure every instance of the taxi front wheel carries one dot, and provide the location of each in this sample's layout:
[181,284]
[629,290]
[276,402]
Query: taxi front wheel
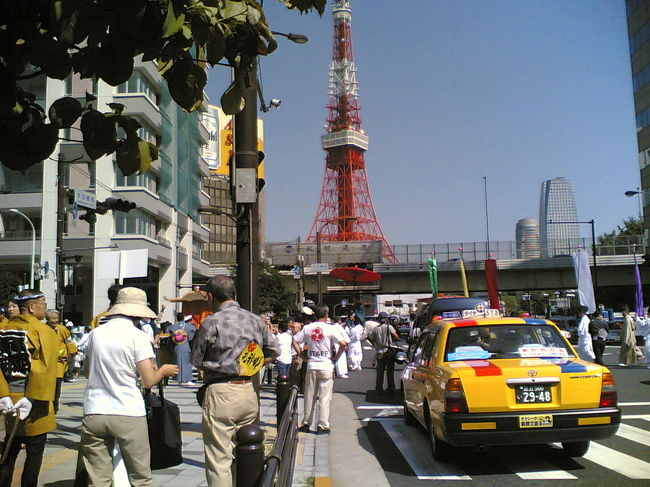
[575,448]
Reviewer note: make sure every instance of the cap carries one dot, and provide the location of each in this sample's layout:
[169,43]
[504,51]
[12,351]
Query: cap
[307,310]
[383,315]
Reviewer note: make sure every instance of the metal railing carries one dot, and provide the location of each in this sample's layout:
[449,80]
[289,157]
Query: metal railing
[280,462]
[420,253]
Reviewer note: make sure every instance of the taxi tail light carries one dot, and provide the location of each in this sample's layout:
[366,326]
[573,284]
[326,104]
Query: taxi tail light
[608,394]
[455,401]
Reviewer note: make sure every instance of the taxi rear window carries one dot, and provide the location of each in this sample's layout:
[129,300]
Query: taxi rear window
[505,341]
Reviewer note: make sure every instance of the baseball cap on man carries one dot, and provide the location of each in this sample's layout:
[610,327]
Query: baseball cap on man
[131,301]
[382,316]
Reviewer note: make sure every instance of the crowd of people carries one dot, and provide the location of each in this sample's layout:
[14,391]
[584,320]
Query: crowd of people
[126,350]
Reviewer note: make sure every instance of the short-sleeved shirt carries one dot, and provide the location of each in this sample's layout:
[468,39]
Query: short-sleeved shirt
[112,353]
[319,338]
[382,337]
[285,340]
[224,335]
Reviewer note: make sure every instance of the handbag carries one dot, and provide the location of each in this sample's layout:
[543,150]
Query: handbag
[638,353]
[164,424]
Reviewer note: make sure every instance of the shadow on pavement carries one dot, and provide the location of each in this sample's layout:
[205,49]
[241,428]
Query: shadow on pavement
[394,398]
[60,483]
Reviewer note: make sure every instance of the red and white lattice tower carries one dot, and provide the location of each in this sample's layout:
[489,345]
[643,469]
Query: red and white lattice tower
[345,212]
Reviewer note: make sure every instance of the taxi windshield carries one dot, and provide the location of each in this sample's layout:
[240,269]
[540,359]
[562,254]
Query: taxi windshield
[505,341]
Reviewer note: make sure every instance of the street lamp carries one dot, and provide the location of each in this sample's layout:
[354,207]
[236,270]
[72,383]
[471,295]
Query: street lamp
[638,192]
[297,38]
[593,248]
[31,274]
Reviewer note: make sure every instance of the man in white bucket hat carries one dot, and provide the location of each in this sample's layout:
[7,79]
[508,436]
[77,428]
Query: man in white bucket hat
[117,353]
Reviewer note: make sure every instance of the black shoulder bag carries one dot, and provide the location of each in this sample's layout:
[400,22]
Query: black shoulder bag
[164,424]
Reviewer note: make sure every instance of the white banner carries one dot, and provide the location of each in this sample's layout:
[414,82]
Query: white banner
[583,278]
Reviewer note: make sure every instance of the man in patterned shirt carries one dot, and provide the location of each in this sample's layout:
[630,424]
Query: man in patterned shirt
[231,345]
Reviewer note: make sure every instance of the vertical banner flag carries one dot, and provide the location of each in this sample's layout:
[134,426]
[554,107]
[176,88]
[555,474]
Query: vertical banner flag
[639,289]
[583,278]
[433,276]
[463,277]
[491,281]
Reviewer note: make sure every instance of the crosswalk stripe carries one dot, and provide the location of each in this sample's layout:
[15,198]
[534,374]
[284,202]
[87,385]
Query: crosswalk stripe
[417,453]
[619,462]
[530,467]
[633,433]
[634,403]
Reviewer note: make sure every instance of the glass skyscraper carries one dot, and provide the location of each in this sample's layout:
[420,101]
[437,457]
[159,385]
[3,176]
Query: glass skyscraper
[557,207]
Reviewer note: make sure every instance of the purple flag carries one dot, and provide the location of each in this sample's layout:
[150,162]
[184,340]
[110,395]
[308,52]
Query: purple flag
[639,289]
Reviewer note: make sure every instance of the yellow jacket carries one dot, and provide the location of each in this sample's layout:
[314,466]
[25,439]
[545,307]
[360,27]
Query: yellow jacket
[66,348]
[95,321]
[43,346]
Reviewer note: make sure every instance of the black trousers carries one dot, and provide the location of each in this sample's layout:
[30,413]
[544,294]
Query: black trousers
[57,394]
[599,350]
[34,446]
[385,363]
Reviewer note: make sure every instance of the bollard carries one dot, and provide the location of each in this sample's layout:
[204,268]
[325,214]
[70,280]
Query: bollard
[249,455]
[282,392]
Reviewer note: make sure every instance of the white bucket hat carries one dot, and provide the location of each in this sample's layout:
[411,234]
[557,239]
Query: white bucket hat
[307,310]
[131,301]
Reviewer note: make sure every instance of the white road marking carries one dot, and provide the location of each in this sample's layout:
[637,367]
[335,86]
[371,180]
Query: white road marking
[530,467]
[619,462]
[634,403]
[636,416]
[634,434]
[368,348]
[417,453]
[378,406]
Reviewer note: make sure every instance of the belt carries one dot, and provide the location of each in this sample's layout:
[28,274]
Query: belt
[229,380]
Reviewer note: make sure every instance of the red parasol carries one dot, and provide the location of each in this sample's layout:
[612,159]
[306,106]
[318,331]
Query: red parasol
[355,274]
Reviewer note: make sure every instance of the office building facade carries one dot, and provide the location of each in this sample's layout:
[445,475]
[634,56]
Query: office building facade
[559,233]
[638,25]
[166,222]
[527,238]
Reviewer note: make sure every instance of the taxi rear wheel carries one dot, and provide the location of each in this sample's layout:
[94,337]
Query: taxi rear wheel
[441,450]
[575,448]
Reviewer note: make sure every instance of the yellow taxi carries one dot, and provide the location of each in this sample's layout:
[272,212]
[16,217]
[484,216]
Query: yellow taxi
[479,381]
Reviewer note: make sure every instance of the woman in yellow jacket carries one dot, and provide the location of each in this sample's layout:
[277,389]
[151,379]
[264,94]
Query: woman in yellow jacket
[31,378]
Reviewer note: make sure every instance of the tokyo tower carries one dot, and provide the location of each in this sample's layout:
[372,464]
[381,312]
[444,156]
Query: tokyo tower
[345,212]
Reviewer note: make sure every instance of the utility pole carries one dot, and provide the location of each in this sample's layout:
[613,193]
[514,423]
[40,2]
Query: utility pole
[320,275]
[60,227]
[246,160]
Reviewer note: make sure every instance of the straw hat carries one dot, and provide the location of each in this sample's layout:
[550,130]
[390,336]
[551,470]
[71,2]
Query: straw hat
[131,301]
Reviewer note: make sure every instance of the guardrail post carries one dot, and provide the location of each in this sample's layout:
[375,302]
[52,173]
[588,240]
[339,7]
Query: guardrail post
[249,455]
[282,391]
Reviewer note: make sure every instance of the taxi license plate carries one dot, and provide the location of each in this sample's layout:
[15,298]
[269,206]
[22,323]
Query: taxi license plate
[533,394]
[536,421]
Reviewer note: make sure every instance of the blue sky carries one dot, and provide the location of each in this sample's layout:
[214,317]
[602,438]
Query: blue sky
[516,90]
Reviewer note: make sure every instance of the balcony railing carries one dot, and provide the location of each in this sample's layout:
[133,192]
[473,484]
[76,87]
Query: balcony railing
[18,235]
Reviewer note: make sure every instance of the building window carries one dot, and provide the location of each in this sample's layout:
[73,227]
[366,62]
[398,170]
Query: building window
[146,180]
[139,84]
[135,222]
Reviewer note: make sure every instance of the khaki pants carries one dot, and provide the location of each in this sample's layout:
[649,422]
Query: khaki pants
[226,408]
[98,434]
[318,383]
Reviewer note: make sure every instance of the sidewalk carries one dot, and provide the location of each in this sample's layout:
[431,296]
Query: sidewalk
[60,459]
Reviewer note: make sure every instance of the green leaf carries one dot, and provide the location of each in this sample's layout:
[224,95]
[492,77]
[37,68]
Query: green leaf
[117,63]
[51,57]
[232,101]
[117,108]
[216,47]
[173,24]
[99,133]
[64,112]
[186,81]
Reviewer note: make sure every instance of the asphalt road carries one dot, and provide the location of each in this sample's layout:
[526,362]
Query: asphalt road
[404,454]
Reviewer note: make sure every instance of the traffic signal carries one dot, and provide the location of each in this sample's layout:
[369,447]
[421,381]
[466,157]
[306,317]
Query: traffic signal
[115,204]
[90,216]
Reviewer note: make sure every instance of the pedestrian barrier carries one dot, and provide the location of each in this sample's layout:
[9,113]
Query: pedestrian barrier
[280,462]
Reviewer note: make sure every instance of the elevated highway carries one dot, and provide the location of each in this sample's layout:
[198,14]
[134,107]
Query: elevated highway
[513,275]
